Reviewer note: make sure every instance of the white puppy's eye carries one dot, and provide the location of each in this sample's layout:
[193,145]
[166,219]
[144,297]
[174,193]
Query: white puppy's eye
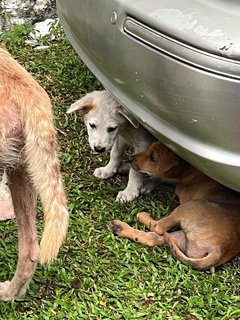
[92,125]
[111,129]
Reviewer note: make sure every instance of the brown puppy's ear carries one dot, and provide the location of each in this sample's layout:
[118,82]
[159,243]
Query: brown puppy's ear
[129,116]
[84,105]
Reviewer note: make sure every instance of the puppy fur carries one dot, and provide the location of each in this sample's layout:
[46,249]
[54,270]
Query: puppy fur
[112,127]
[208,215]
[28,155]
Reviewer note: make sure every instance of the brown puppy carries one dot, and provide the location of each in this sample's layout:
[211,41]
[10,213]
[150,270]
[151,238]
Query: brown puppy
[28,156]
[208,215]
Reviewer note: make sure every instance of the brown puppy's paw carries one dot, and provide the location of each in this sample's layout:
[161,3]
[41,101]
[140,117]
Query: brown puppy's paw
[117,227]
[143,217]
[114,226]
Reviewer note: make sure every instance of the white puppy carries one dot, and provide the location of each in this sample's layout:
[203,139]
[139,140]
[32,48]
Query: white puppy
[111,127]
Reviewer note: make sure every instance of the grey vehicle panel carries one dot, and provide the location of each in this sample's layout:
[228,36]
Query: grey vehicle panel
[183,89]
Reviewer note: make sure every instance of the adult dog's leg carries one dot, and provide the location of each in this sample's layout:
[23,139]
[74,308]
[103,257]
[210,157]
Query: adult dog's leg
[123,230]
[116,157]
[6,204]
[24,201]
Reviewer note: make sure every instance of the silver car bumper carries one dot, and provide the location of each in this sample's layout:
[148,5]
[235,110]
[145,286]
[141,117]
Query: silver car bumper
[177,68]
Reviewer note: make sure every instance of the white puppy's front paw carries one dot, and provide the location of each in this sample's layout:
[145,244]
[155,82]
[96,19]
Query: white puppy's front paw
[145,190]
[148,188]
[103,173]
[127,195]
[150,185]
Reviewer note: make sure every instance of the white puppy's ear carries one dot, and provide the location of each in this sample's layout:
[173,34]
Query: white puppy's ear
[129,116]
[84,105]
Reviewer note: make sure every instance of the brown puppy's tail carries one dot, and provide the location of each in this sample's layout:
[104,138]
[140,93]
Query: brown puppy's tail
[43,165]
[211,259]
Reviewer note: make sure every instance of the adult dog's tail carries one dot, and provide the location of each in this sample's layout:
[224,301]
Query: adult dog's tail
[43,166]
[40,153]
[211,259]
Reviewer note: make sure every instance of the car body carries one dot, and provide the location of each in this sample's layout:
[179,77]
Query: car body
[175,65]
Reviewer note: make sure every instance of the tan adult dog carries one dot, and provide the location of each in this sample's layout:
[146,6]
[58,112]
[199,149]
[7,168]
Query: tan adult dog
[208,215]
[28,155]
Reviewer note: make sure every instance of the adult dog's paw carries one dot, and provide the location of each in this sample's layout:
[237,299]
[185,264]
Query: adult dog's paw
[103,173]
[6,293]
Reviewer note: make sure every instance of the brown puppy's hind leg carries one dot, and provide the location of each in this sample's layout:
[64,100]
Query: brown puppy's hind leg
[179,237]
[24,201]
[212,257]
[158,226]
[123,230]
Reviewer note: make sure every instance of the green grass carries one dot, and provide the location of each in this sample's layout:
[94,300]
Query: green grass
[97,275]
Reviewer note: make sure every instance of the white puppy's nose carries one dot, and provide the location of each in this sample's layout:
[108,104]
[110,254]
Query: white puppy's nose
[99,149]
